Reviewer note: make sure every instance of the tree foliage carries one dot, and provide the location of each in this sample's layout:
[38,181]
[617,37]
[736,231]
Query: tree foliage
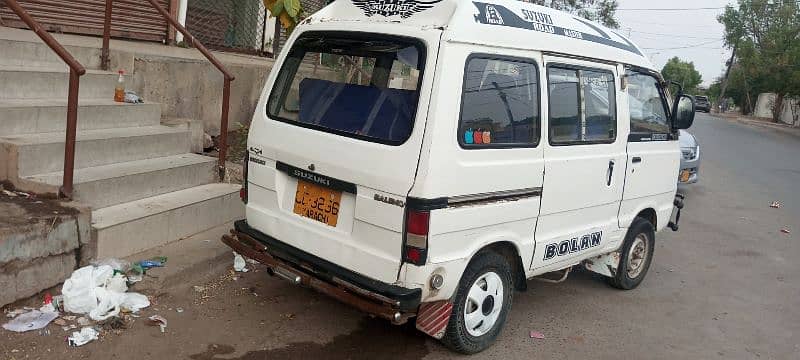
[766,36]
[684,73]
[288,12]
[602,11]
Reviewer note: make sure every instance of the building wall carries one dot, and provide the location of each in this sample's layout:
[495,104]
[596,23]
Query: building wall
[790,113]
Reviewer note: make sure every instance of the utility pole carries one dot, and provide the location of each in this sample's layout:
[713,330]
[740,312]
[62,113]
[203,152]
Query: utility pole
[727,73]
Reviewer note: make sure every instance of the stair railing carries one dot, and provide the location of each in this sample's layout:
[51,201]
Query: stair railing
[76,70]
[192,41]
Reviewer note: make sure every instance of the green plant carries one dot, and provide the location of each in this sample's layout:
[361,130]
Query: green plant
[288,12]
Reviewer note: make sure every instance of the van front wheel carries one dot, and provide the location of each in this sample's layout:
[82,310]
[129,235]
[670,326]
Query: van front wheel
[481,304]
[636,255]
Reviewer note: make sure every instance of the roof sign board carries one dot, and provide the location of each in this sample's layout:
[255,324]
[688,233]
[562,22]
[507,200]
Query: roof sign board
[499,15]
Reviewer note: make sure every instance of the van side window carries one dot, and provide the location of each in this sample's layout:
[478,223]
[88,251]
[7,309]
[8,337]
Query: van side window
[647,104]
[582,106]
[500,103]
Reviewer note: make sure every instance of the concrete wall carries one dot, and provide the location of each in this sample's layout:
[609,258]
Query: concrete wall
[791,108]
[41,242]
[192,89]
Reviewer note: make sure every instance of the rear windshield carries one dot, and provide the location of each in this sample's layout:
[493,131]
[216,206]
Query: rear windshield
[364,86]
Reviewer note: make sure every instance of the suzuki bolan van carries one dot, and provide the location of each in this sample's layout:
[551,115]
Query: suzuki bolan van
[420,160]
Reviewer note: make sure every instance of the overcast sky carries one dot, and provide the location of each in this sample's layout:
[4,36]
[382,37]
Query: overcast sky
[660,33]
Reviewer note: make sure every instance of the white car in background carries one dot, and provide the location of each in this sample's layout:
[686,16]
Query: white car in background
[690,158]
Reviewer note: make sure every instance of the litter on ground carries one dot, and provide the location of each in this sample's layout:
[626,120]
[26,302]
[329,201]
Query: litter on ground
[32,320]
[86,335]
[158,320]
[100,292]
[537,335]
[775,205]
[239,264]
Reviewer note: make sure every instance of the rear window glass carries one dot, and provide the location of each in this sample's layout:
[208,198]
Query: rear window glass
[362,86]
[500,104]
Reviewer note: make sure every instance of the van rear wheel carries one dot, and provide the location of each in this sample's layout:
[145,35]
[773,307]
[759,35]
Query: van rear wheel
[481,304]
[636,255]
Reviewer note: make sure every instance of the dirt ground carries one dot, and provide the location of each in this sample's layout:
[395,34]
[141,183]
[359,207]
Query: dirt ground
[235,316]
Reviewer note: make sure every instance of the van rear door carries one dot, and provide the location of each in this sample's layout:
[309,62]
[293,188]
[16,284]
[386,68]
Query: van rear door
[334,151]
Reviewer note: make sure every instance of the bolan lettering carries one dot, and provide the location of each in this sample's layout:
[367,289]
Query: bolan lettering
[574,245]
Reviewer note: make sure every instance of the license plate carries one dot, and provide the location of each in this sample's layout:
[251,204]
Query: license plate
[317,202]
[685,175]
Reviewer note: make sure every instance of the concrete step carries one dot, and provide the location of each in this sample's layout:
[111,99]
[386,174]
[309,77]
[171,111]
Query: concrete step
[27,82]
[190,261]
[113,184]
[128,228]
[41,153]
[30,116]
[33,52]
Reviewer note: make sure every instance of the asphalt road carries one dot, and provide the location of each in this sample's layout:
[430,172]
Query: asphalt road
[724,287]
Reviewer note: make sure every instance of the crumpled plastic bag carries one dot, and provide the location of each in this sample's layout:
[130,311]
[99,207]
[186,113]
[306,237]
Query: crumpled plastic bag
[82,337]
[133,98]
[78,291]
[100,293]
[239,265]
[33,320]
[135,302]
[108,304]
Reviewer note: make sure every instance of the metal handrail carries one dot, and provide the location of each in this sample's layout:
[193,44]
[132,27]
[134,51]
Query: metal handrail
[76,70]
[190,39]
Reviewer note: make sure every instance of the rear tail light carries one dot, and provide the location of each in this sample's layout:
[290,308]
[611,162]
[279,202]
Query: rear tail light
[243,190]
[415,247]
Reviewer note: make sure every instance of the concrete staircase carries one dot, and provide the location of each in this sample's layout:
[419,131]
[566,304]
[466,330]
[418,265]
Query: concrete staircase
[141,180]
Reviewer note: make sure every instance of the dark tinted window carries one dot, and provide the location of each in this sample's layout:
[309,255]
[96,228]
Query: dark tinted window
[572,122]
[363,86]
[647,104]
[500,103]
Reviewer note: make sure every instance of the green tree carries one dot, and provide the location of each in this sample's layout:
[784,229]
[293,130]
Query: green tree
[602,11]
[766,37]
[684,73]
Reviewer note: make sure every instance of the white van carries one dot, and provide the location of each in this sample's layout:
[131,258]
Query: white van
[420,159]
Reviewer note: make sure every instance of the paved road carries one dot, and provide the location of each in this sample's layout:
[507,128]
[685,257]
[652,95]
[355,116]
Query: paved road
[724,287]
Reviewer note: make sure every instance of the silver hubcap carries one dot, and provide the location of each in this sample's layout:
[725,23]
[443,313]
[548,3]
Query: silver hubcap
[483,305]
[637,255]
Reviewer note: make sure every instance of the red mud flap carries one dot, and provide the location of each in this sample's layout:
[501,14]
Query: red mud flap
[432,318]
[362,299]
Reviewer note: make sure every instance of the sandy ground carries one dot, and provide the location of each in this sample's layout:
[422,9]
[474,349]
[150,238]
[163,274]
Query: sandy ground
[724,287]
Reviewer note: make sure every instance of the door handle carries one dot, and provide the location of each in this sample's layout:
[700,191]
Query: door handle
[610,172]
[636,159]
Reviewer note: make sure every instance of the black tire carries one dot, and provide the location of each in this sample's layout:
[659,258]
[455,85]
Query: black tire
[456,336]
[625,279]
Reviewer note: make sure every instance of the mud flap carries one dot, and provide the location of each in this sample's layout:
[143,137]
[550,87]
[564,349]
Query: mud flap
[432,318]
[605,264]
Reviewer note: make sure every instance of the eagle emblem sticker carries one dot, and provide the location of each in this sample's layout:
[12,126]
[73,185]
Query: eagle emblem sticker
[404,8]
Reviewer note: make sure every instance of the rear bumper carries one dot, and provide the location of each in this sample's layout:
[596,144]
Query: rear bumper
[387,301]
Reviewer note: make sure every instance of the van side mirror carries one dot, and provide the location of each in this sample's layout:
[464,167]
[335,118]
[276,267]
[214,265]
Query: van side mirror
[683,113]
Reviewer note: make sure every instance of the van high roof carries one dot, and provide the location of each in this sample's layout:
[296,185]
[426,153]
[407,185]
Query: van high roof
[505,23]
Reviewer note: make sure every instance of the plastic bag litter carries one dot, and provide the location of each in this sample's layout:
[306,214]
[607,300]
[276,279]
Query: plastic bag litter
[78,291]
[239,264]
[133,98]
[108,304]
[33,320]
[135,302]
[82,337]
[117,283]
[100,293]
